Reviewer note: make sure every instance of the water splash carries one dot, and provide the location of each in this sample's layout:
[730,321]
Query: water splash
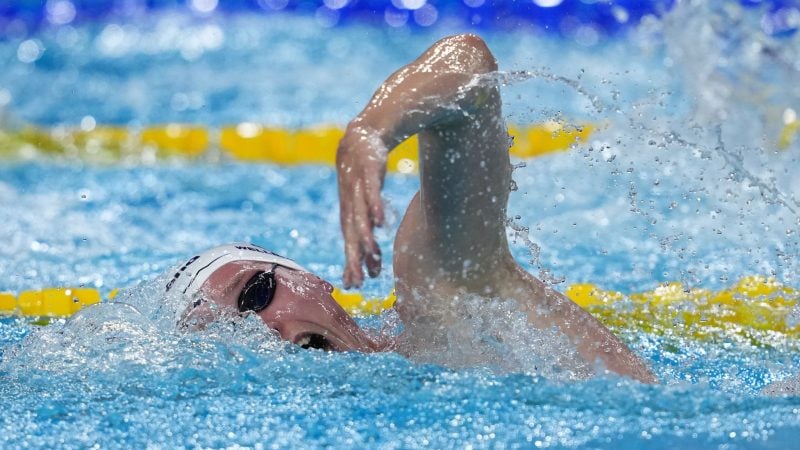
[522,233]
[474,331]
[134,333]
[693,156]
[518,76]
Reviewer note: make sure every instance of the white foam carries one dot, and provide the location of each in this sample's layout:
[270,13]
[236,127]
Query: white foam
[473,331]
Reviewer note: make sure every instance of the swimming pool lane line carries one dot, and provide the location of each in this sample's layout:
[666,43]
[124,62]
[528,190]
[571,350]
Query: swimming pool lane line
[757,310]
[249,142]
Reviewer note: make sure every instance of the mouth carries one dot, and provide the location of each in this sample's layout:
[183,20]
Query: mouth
[316,341]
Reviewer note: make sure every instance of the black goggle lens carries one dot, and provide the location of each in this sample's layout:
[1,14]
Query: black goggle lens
[258,292]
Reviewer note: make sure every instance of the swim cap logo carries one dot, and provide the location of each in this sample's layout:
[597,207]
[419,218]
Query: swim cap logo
[257,249]
[180,271]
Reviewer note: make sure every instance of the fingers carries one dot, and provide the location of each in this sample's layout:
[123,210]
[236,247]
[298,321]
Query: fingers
[372,259]
[373,184]
[353,276]
[352,242]
[372,195]
[357,227]
[370,251]
[361,167]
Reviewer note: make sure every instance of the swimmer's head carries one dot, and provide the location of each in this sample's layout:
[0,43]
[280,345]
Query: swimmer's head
[247,279]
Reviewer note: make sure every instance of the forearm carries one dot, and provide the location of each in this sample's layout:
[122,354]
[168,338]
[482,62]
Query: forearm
[594,342]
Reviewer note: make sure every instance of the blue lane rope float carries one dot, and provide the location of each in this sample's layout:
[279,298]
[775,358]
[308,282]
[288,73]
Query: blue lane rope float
[757,310]
[251,142]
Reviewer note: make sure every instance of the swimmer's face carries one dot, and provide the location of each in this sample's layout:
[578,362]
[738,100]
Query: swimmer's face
[302,309]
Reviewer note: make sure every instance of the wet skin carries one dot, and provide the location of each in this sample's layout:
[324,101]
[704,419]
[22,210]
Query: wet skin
[302,310]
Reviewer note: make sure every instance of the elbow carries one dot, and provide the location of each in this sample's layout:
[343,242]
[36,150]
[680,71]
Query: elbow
[469,52]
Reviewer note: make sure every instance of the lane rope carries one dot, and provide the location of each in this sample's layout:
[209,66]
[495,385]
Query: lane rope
[250,142]
[757,309]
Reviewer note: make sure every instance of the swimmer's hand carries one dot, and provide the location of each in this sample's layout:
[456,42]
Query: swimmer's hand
[361,169]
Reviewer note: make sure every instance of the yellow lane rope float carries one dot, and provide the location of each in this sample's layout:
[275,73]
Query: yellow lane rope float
[788,132]
[250,142]
[756,310]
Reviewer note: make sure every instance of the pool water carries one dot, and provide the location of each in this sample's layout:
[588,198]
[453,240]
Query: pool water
[671,188]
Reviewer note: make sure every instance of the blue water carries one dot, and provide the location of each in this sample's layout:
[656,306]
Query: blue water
[672,189]
[540,15]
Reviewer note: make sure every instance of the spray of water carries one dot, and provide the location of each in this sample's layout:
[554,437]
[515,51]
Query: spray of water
[701,159]
[138,332]
[474,331]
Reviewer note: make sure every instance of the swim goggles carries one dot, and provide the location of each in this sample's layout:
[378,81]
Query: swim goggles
[258,292]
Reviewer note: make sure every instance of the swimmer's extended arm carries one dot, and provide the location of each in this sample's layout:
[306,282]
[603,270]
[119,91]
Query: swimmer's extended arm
[464,167]
[452,239]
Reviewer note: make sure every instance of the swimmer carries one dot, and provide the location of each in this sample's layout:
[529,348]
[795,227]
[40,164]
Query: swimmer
[450,243]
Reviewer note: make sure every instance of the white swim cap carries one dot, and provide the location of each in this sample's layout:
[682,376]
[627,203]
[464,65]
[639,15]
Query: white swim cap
[191,275]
